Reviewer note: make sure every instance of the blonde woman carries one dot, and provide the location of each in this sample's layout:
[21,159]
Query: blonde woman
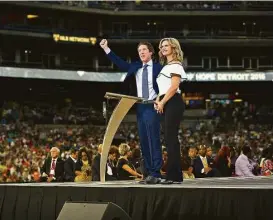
[170,104]
[125,169]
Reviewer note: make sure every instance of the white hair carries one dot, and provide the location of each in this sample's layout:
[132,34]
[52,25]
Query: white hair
[55,149]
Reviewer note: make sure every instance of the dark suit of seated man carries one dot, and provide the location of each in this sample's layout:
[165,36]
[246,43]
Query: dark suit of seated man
[69,166]
[53,168]
[202,165]
[111,173]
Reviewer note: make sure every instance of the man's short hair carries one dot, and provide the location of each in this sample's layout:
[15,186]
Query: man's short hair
[202,146]
[73,150]
[246,150]
[192,148]
[148,44]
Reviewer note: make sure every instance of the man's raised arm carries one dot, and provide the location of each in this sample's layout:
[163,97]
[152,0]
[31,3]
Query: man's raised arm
[122,65]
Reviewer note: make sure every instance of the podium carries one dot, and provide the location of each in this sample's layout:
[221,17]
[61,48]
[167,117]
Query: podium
[124,105]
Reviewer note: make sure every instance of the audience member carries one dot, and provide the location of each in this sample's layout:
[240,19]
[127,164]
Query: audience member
[223,162]
[243,166]
[83,166]
[70,166]
[202,165]
[53,168]
[267,164]
[125,169]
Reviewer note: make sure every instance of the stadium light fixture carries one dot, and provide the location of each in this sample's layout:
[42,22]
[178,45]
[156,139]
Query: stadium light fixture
[32,16]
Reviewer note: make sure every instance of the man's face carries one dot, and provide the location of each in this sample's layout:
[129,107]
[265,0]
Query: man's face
[129,154]
[36,176]
[192,153]
[202,151]
[250,154]
[54,153]
[112,157]
[144,54]
[74,155]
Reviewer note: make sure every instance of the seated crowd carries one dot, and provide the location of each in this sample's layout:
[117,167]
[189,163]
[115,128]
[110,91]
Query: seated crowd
[216,148]
[81,166]
[126,164]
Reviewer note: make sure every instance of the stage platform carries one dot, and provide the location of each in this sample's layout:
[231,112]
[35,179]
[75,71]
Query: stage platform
[212,198]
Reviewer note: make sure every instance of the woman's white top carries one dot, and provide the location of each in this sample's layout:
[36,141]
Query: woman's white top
[165,77]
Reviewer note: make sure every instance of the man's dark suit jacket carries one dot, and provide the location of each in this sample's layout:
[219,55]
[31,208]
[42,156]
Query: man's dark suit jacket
[69,170]
[198,166]
[59,170]
[131,69]
[96,170]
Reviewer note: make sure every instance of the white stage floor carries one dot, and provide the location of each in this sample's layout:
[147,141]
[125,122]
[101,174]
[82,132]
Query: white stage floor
[258,182]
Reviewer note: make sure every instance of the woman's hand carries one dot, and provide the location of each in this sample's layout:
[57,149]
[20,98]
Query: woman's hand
[88,173]
[162,172]
[229,161]
[140,176]
[155,105]
[159,107]
[190,170]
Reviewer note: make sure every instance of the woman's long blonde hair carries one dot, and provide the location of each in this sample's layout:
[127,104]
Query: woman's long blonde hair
[176,49]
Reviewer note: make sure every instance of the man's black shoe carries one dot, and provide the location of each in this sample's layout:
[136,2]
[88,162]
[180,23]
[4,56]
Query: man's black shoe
[168,182]
[150,180]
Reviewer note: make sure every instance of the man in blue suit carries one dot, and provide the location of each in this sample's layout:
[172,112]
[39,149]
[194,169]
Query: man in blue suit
[144,74]
[203,165]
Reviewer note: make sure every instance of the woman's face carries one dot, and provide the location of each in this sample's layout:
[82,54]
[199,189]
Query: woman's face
[84,156]
[112,157]
[165,48]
